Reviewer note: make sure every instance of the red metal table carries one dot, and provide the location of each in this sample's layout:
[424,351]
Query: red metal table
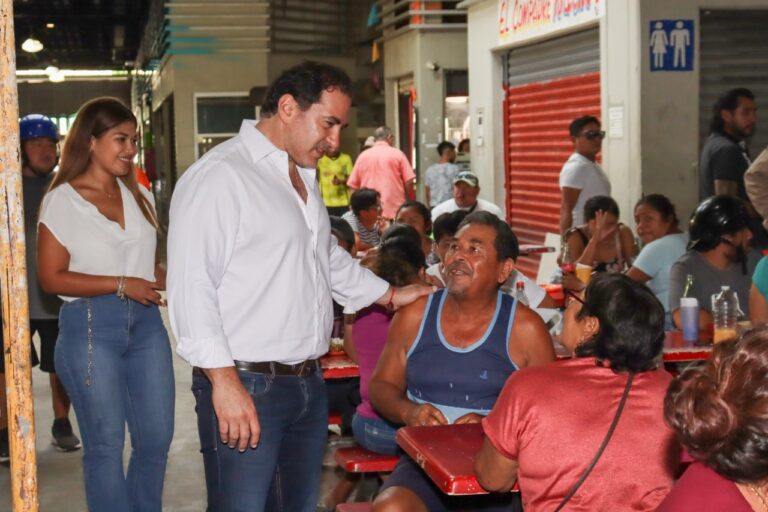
[446,453]
[339,366]
[678,351]
[675,350]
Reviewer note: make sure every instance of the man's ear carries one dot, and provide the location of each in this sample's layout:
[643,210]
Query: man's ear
[507,267]
[287,107]
[727,116]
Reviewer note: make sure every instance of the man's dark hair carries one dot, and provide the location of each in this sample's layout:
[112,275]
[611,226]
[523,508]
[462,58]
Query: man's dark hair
[631,332]
[727,101]
[342,231]
[600,203]
[306,83]
[447,224]
[362,199]
[400,230]
[444,146]
[505,243]
[579,123]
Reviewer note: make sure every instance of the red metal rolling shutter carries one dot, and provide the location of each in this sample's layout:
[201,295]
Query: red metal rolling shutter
[538,114]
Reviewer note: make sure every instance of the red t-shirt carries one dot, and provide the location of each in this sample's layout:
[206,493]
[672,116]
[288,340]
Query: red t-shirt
[700,488]
[552,420]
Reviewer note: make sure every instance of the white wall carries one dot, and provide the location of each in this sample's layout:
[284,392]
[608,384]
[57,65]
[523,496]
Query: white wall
[486,94]
[449,51]
[620,51]
[400,59]
[407,55]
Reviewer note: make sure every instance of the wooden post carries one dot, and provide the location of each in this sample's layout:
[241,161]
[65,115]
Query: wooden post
[13,278]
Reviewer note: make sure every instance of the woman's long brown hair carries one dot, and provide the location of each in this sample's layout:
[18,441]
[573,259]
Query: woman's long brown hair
[94,119]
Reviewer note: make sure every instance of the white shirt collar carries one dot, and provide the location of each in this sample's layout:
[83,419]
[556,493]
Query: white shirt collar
[259,146]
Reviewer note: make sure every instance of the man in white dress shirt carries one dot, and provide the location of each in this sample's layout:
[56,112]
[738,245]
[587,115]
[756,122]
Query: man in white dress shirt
[253,270]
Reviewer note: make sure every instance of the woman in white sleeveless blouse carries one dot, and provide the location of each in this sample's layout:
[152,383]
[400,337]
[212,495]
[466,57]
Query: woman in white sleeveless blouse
[96,249]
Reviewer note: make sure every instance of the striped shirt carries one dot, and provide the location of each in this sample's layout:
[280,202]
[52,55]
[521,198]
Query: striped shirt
[367,236]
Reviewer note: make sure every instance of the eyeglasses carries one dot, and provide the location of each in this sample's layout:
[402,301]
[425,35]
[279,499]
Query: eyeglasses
[594,134]
[571,296]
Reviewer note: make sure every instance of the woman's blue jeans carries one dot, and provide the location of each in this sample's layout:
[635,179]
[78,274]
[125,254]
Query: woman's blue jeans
[114,359]
[375,434]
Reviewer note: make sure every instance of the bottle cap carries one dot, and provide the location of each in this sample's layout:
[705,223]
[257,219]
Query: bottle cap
[725,288]
[689,302]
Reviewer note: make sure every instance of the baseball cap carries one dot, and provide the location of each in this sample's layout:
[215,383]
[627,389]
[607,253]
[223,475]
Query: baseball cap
[467,177]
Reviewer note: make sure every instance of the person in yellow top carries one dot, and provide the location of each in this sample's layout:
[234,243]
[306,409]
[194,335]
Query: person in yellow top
[333,171]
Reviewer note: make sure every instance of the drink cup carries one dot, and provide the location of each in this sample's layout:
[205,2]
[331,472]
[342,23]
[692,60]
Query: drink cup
[689,318]
[583,273]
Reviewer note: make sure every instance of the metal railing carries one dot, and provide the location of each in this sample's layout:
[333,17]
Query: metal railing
[398,16]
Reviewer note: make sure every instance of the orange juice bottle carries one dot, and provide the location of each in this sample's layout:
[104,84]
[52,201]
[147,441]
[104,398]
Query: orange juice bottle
[725,312]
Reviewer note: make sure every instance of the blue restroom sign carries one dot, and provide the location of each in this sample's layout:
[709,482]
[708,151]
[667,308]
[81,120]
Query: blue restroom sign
[670,45]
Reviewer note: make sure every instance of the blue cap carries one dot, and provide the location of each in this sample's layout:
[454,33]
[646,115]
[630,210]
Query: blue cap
[36,126]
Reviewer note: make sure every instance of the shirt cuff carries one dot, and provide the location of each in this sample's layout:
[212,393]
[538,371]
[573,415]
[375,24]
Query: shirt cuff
[205,352]
[374,288]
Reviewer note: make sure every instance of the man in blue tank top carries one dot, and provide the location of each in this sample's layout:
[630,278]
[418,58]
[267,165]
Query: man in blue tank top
[448,355]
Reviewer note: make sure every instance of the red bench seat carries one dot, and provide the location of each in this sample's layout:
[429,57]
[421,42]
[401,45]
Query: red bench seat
[356,459]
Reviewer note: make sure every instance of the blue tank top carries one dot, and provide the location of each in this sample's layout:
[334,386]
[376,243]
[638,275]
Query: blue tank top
[460,380]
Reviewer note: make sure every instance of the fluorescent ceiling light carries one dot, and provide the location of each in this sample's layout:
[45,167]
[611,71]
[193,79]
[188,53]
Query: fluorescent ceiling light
[31,45]
[74,73]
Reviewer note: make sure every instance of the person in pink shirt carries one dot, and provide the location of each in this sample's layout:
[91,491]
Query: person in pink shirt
[386,169]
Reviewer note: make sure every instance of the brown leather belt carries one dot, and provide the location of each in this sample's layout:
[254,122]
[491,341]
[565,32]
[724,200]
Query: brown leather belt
[302,369]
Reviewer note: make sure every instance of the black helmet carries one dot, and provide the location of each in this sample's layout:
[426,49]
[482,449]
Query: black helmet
[714,217]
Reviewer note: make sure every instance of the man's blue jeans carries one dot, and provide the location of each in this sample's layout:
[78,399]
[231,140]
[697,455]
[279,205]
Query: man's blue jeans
[114,359]
[283,473]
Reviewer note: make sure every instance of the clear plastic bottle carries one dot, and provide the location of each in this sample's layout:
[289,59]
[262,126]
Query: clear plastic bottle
[520,293]
[725,312]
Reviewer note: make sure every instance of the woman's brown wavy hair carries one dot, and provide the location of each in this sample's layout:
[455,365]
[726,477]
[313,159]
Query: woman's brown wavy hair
[720,411]
[94,119]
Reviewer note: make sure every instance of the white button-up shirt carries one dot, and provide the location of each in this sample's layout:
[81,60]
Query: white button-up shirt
[251,268]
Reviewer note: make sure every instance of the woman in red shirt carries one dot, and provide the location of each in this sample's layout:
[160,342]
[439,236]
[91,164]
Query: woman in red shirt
[550,421]
[720,414]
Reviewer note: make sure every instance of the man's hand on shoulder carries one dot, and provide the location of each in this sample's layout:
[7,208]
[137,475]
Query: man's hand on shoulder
[397,297]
